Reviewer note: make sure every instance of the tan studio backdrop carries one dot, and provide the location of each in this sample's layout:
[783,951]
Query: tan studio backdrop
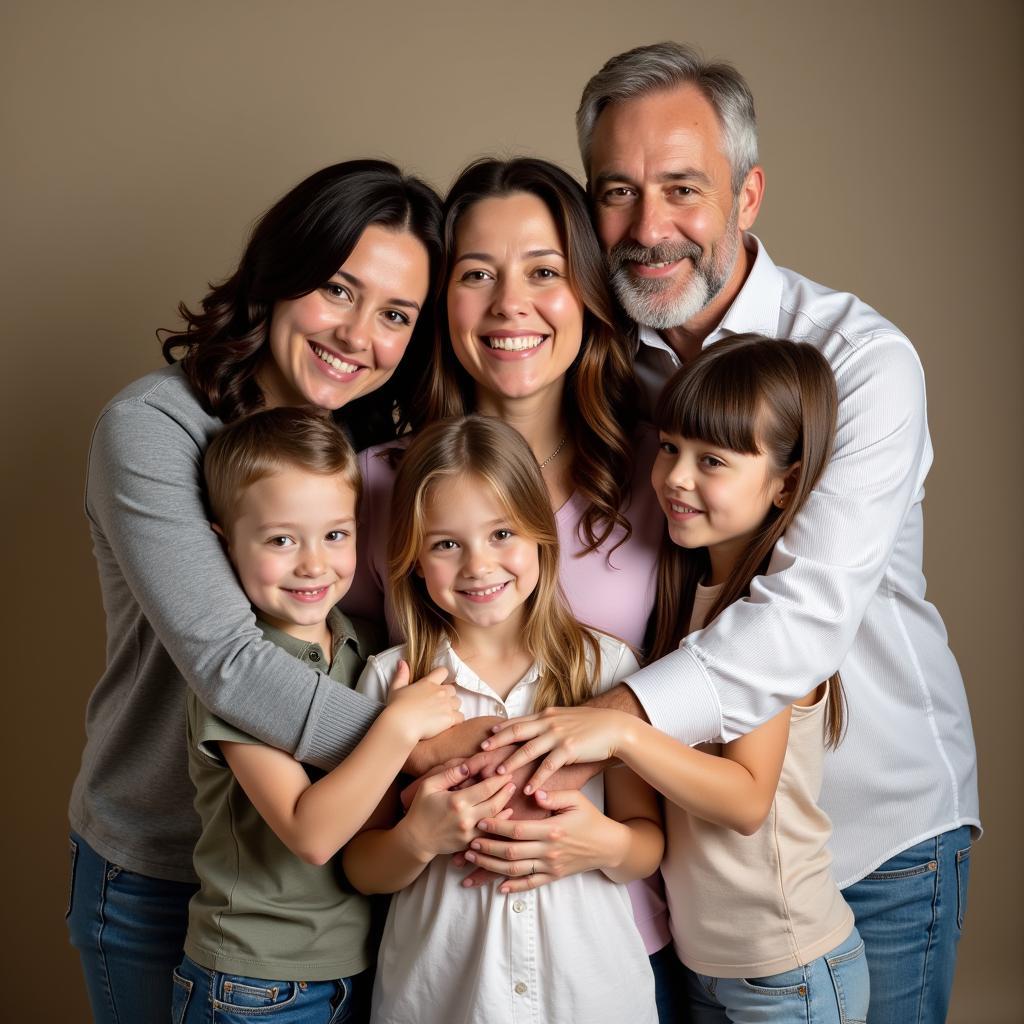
[138,141]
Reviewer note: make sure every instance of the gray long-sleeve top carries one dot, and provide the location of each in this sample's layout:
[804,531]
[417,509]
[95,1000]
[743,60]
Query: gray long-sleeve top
[177,617]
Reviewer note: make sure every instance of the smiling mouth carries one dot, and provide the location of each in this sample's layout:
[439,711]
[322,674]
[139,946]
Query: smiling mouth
[307,593]
[333,361]
[682,509]
[517,344]
[485,593]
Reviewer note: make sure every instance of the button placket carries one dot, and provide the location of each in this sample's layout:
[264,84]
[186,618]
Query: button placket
[523,960]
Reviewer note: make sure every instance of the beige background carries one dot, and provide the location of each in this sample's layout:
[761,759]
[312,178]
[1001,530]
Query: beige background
[140,140]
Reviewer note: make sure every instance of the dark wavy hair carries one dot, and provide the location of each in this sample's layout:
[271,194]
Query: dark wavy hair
[296,246]
[601,394]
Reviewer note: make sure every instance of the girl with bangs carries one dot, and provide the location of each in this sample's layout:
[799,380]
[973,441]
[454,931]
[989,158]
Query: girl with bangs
[473,564]
[745,432]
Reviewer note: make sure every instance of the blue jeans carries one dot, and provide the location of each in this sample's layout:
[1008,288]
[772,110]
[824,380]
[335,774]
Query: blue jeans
[129,930]
[669,986]
[910,913]
[833,989]
[202,996]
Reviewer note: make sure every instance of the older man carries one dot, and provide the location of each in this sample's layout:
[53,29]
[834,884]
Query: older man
[669,143]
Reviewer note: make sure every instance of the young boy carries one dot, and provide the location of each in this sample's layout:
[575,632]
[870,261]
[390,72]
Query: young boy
[274,922]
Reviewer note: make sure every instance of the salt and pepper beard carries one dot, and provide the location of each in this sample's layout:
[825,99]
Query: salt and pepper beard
[648,300]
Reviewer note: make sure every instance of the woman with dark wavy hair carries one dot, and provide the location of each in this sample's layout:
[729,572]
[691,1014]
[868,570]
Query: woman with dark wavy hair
[324,310]
[528,332]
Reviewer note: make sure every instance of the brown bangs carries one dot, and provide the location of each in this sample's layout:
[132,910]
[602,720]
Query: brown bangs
[715,400]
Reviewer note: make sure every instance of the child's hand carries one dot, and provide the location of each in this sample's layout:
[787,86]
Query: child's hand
[443,819]
[566,735]
[424,708]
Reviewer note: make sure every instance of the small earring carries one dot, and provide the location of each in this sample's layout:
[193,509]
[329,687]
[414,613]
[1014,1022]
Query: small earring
[780,501]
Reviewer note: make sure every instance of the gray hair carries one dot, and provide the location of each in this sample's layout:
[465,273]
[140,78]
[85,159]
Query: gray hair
[666,66]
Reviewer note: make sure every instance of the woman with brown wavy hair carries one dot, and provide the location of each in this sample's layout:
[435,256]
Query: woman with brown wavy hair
[320,312]
[528,332]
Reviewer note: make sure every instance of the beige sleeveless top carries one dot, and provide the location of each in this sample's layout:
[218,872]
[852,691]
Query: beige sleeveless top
[752,906]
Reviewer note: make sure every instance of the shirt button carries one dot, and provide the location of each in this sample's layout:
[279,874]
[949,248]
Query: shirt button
[314,655]
[520,988]
[519,906]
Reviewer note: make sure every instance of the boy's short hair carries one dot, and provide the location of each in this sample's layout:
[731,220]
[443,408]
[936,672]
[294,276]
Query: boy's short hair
[268,441]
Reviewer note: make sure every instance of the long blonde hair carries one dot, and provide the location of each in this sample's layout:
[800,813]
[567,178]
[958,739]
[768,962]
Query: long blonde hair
[750,394]
[495,454]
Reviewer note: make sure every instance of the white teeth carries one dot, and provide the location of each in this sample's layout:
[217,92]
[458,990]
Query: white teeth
[665,264]
[334,361]
[488,591]
[516,344]
[682,508]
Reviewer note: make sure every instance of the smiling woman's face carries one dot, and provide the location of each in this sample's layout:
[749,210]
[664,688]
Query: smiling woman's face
[345,339]
[515,323]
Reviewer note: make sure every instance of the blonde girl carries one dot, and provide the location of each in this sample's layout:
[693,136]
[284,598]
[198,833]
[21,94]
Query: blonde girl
[745,432]
[473,560]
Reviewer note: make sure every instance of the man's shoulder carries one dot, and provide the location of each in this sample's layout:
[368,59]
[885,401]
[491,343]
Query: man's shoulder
[813,312]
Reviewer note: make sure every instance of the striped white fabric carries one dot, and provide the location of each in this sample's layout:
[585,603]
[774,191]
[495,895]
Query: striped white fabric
[845,590]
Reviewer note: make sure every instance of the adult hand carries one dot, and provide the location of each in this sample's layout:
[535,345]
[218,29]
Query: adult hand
[577,837]
[565,735]
[520,807]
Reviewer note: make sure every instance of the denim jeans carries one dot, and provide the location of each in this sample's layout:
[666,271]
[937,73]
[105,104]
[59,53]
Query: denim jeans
[202,996]
[910,913]
[129,930]
[833,989]
[669,986]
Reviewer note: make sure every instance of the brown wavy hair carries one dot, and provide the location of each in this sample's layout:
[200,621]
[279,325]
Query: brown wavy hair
[296,246]
[749,394]
[601,395]
[485,449]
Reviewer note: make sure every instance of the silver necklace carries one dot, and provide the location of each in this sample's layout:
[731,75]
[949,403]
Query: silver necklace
[561,445]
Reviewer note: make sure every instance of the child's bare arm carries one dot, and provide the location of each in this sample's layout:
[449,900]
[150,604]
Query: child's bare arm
[314,820]
[633,805]
[734,790]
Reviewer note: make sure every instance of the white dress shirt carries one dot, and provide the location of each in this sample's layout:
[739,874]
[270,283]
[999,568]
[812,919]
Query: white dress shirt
[844,589]
[566,953]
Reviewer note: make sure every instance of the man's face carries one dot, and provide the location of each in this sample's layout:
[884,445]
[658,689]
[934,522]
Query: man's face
[664,206]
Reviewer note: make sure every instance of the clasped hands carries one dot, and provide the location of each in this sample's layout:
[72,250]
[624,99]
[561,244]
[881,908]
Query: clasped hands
[515,831]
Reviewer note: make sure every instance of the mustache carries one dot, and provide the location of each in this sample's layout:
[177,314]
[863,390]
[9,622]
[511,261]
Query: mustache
[630,252]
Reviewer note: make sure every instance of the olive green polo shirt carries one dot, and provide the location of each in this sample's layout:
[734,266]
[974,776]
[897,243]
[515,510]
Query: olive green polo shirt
[261,911]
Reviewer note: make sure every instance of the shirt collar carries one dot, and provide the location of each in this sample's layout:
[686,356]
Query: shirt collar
[342,632]
[755,310]
[465,677]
